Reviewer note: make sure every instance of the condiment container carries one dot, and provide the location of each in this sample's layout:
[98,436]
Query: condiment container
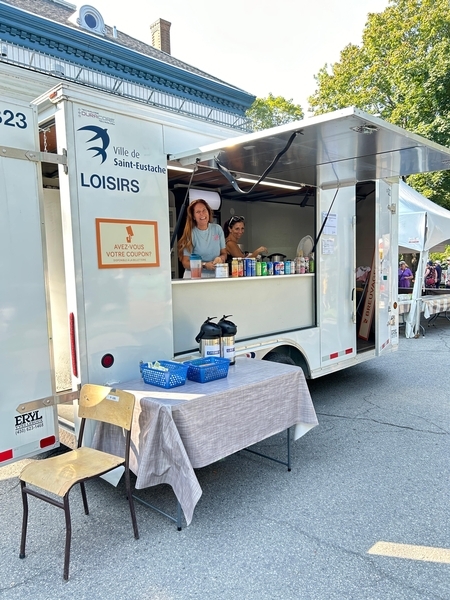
[221,270]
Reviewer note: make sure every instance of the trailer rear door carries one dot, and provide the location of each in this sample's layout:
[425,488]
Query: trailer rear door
[387,233]
[28,421]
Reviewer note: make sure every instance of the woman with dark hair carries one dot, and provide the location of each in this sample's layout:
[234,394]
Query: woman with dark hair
[202,236]
[234,229]
[430,275]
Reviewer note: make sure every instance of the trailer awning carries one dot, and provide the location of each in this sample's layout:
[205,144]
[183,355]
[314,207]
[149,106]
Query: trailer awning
[345,146]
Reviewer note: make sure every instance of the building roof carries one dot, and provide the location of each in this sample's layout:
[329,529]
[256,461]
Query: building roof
[60,12]
[47,27]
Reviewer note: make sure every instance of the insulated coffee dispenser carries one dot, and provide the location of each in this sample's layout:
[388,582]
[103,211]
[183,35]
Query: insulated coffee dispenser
[209,338]
[229,330]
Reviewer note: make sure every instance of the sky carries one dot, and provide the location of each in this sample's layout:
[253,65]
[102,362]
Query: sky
[260,46]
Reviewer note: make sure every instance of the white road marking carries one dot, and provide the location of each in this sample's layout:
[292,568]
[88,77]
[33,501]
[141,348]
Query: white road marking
[425,553]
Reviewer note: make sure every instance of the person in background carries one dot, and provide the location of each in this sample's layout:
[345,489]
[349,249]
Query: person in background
[430,275]
[234,229]
[404,275]
[202,236]
[438,273]
[447,279]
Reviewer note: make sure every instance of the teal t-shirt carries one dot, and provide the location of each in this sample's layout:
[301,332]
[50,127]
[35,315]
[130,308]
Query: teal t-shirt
[207,243]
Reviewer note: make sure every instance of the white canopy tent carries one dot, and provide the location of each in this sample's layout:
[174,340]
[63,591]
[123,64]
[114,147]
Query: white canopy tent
[422,226]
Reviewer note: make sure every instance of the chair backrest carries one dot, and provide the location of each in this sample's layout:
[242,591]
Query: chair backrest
[106,404]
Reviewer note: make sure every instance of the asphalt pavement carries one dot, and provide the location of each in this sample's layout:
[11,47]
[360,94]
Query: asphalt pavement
[376,469]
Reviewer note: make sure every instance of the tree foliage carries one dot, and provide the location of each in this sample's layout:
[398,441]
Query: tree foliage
[401,72]
[272,111]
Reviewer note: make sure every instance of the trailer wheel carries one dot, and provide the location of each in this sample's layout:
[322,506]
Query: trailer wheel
[279,358]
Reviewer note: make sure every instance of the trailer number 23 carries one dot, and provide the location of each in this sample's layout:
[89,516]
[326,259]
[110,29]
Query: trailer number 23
[11,119]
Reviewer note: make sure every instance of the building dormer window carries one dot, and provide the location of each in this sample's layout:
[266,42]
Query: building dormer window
[88,17]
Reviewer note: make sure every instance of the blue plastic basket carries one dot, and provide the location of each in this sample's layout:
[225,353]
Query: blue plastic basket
[174,376]
[207,369]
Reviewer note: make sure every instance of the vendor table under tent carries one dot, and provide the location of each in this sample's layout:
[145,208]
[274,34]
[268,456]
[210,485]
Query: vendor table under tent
[422,226]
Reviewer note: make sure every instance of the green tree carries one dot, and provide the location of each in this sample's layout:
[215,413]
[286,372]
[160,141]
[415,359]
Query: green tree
[401,72]
[272,111]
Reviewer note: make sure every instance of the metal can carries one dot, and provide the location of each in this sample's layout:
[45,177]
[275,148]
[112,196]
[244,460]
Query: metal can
[258,268]
[252,267]
[247,267]
[292,267]
[270,268]
[234,268]
[287,267]
[240,267]
[276,268]
[263,269]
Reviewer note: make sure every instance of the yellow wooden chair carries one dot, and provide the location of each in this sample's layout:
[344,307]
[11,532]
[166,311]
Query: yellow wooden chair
[58,474]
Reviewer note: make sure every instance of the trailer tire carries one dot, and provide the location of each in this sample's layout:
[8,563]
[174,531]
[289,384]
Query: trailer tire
[279,358]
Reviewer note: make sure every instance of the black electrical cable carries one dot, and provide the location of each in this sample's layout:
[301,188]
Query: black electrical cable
[182,209]
[230,177]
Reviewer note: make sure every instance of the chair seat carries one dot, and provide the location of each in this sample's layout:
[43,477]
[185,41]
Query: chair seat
[59,473]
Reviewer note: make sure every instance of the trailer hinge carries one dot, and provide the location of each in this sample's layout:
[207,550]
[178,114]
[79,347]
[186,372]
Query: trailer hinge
[392,208]
[66,168]
[63,398]
[31,155]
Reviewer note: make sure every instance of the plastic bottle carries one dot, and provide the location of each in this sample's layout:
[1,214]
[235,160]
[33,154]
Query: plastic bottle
[302,265]
[234,268]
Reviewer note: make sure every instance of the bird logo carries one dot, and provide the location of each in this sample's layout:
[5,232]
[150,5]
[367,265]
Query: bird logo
[100,134]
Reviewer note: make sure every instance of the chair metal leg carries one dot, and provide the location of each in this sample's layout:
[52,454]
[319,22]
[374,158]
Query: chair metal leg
[131,503]
[83,495]
[68,537]
[24,520]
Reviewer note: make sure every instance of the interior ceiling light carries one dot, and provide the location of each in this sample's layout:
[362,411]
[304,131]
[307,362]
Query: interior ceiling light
[182,169]
[366,128]
[283,186]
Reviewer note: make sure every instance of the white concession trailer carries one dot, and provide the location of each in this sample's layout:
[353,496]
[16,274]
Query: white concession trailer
[90,285]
